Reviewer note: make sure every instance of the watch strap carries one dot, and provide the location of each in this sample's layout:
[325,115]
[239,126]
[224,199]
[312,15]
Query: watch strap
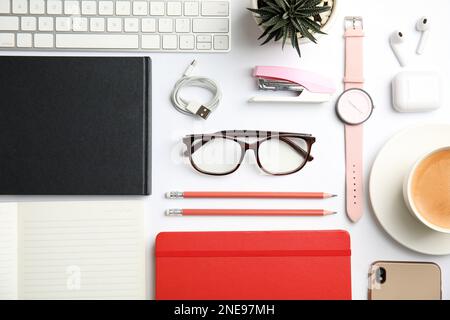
[354,171]
[354,64]
[354,78]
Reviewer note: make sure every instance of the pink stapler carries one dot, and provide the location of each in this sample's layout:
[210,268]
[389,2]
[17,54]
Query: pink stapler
[311,87]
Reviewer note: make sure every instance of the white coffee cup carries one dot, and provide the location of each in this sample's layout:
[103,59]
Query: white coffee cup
[408,192]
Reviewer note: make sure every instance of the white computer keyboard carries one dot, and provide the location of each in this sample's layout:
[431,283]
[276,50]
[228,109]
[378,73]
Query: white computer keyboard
[152,25]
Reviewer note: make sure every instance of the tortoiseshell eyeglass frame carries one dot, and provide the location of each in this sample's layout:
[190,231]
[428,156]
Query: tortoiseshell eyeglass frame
[193,142]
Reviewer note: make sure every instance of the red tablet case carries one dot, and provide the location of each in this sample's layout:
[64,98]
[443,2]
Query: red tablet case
[290,265]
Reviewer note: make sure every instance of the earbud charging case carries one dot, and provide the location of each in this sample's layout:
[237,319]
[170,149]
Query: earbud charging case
[417,91]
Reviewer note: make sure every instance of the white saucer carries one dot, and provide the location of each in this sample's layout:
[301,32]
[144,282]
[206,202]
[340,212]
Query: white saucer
[393,162]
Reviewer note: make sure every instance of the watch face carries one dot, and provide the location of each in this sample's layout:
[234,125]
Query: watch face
[354,106]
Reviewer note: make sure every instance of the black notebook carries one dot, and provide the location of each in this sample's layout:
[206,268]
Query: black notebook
[75,126]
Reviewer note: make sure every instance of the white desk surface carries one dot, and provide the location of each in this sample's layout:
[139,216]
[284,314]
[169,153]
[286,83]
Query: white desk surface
[326,172]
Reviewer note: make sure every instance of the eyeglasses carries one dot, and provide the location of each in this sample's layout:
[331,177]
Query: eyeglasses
[221,153]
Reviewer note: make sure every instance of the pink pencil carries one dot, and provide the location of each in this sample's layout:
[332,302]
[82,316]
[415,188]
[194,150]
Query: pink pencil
[249,212]
[248,195]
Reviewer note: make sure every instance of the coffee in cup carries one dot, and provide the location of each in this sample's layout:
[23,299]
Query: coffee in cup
[427,190]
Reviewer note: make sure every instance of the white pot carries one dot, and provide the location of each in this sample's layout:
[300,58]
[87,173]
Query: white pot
[324,28]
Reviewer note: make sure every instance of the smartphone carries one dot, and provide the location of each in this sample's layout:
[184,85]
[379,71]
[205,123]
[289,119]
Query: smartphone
[396,280]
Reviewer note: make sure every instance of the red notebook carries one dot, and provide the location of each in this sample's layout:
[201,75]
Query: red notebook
[288,265]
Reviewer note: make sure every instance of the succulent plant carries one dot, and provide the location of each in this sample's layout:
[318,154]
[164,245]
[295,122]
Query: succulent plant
[287,19]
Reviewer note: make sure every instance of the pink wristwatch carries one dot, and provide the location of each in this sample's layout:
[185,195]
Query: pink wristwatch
[354,107]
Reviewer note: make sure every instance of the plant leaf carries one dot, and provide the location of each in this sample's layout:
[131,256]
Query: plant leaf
[265,33]
[314,26]
[294,41]
[263,10]
[281,4]
[285,36]
[280,24]
[308,12]
[308,3]
[279,35]
[271,22]
[269,37]
[274,6]
[306,33]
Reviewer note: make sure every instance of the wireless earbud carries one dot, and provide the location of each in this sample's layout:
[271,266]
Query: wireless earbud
[396,39]
[423,25]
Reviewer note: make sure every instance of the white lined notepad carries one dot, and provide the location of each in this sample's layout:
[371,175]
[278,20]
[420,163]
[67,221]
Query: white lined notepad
[72,250]
[8,251]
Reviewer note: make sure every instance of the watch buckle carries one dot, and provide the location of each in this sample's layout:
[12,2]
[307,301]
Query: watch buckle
[353,22]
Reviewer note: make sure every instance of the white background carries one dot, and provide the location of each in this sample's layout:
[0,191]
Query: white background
[326,172]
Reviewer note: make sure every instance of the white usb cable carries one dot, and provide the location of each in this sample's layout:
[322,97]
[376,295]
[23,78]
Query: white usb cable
[194,108]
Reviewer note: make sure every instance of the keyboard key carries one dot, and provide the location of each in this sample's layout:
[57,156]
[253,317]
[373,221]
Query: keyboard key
[169,41]
[157,8]
[151,41]
[43,40]
[173,8]
[72,7]
[187,42]
[221,42]
[54,7]
[114,25]
[140,8]
[204,38]
[204,45]
[24,40]
[63,24]
[182,25]
[131,25]
[210,25]
[19,6]
[7,40]
[37,7]
[45,24]
[123,8]
[191,9]
[97,41]
[79,24]
[106,8]
[28,23]
[89,7]
[148,25]
[97,24]
[215,8]
[165,25]
[5,6]
[9,23]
